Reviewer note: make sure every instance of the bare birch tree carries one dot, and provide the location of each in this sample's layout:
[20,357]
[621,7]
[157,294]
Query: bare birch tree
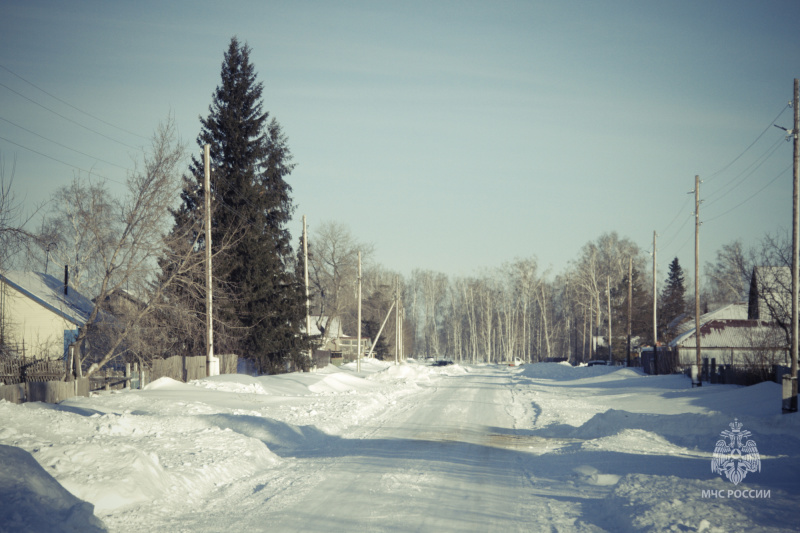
[130,236]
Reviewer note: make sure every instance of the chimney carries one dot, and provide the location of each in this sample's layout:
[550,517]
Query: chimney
[66,280]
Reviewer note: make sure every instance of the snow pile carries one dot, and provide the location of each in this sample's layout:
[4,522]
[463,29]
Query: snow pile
[31,500]
[235,383]
[566,372]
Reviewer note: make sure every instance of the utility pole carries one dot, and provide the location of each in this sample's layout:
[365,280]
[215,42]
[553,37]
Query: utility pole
[655,310]
[569,331]
[402,312]
[358,361]
[608,300]
[630,307]
[308,304]
[212,363]
[790,386]
[397,322]
[697,277]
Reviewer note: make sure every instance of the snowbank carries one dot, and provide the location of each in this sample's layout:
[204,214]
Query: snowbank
[32,500]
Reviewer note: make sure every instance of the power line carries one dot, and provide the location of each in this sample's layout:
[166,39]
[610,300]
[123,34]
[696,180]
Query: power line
[773,180]
[664,231]
[677,233]
[62,145]
[770,151]
[90,172]
[735,159]
[745,174]
[70,105]
[69,119]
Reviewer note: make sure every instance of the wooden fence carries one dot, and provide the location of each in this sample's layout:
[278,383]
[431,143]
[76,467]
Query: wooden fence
[185,369]
[43,380]
[28,371]
[664,361]
[44,391]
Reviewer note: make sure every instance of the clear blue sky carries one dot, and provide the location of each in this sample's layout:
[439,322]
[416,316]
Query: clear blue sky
[452,135]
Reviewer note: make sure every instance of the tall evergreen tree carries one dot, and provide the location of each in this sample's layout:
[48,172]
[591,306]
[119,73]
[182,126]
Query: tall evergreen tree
[673,297]
[250,161]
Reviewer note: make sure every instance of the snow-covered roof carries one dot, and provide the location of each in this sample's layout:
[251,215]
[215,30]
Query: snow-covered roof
[732,333]
[737,311]
[48,291]
[331,332]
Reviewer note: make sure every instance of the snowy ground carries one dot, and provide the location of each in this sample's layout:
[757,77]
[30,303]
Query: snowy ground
[543,447]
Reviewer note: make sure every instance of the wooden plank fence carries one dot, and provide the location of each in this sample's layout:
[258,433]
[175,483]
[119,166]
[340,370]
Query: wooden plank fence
[228,363]
[27,371]
[185,369]
[43,380]
[44,391]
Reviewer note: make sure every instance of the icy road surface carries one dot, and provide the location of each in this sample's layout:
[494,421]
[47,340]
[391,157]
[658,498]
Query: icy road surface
[544,447]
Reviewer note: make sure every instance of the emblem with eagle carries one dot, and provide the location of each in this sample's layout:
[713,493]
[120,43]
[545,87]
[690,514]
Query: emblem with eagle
[735,454]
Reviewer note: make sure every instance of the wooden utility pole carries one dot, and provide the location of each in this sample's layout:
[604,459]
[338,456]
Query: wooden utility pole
[396,322]
[402,312]
[630,308]
[698,361]
[358,361]
[655,310]
[212,363]
[790,388]
[308,304]
[608,300]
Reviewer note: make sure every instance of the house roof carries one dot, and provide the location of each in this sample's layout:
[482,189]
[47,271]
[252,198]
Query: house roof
[731,333]
[736,311]
[48,291]
[332,332]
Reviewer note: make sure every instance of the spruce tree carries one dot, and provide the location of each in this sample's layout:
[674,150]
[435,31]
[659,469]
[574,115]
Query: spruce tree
[250,161]
[673,297]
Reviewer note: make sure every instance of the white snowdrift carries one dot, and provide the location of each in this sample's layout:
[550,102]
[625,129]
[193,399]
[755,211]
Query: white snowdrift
[31,500]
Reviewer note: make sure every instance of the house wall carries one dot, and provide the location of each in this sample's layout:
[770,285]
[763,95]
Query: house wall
[734,356]
[28,322]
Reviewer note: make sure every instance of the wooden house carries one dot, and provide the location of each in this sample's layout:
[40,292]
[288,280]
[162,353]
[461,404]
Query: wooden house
[40,315]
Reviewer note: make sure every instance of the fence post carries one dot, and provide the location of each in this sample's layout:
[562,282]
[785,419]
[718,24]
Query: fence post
[789,393]
[655,360]
[70,363]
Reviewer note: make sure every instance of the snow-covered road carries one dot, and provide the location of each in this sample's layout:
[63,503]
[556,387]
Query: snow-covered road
[440,460]
[544,447]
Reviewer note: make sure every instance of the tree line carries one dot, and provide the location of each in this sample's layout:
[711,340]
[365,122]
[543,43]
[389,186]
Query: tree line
[517,310]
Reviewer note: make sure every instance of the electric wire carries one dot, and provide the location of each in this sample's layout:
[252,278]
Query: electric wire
[69,119]
[773,180]
[90,172]
[735,159]
[664,231]
[677,233]
[63,145]
[718,195]
[70,105]
[741,178]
